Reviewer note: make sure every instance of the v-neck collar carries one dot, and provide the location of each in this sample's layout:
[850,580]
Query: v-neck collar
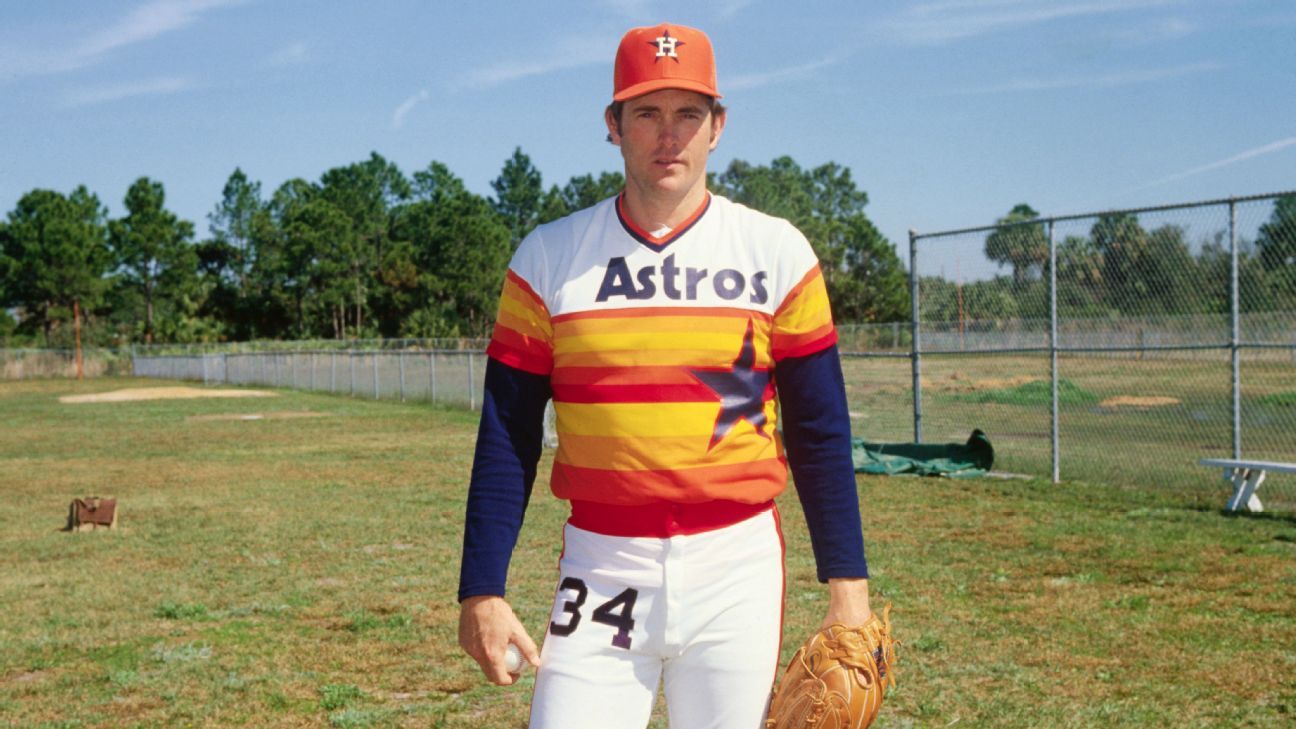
[652,241]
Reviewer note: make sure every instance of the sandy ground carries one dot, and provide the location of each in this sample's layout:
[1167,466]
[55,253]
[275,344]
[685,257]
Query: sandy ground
[255,416]
[1138,401]
[131,394]
[957,382]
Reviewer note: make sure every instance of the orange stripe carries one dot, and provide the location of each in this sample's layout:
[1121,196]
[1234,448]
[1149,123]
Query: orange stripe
[651,311]
[802,344]
[662,453]
[654,358]
[521,283]
[623,376]
[747,482]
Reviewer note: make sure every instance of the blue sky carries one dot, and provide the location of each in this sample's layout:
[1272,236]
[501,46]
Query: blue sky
[948,112]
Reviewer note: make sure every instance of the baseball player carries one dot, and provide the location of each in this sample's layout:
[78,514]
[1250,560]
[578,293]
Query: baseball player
[672,329]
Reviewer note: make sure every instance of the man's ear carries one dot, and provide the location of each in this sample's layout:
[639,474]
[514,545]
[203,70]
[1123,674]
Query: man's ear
[614,133]
[717,128]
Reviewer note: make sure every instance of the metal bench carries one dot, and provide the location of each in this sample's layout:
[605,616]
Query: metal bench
[1246,476]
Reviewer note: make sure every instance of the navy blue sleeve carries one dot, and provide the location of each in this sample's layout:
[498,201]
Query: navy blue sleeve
[503,472]
[817,438]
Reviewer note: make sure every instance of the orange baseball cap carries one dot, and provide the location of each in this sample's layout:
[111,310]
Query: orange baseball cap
[664,56]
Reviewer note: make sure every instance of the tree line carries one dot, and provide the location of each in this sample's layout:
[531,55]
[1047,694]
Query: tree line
[1122,269]
[364,252]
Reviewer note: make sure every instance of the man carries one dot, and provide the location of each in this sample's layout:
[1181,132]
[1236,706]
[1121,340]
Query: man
[659,321]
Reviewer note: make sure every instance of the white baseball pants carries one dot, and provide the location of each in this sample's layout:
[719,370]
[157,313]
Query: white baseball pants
[701,613]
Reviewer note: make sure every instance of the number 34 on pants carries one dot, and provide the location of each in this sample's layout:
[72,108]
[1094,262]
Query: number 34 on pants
[616,613]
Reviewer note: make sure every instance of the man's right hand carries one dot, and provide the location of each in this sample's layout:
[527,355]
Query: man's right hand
[486,626]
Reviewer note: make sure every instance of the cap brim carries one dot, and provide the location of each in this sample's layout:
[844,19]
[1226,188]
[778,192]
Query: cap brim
[657,84]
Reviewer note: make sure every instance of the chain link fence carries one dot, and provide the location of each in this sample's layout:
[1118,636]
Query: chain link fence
[26,364]
[1119,347]
[447,372]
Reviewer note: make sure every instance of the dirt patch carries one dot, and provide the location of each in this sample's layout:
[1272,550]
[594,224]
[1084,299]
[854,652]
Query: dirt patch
[961,383]
[132,394]
[1138,401]
[255,416]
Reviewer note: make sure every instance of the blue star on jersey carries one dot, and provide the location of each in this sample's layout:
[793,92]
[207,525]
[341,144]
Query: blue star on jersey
[741,389]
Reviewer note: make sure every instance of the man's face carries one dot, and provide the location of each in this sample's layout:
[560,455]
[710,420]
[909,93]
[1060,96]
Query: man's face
[665,137]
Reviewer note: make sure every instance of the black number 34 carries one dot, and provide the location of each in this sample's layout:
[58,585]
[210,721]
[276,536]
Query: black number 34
[616,612]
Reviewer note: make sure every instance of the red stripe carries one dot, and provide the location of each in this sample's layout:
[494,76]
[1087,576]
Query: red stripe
[526,361]
[778,525]
[661,519]
[612,393]
[528,348]
[643,375]
[802,348]
[763,479]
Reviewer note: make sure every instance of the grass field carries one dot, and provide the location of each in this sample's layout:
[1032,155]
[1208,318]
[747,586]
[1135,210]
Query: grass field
[302,571]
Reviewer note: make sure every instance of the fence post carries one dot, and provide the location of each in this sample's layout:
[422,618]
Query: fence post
[915,352]
[333,372]
[432,375]
[1234,330]
[472,384]
[1053,358]
[351,367]
[375,373]
[400,357]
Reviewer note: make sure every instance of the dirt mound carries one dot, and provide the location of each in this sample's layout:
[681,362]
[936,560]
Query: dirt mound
[132,394]
[958,382]
[255,416]
[1138,401]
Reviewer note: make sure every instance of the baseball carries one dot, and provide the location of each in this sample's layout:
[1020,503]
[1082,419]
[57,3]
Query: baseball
[512,659]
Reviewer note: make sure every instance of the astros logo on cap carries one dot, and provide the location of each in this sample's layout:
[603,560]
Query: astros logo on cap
[666,46]
[639,69]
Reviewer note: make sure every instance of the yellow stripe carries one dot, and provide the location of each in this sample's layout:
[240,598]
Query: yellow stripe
[524,311]
[656,324]
[648,420]
[742,445]
[809,311]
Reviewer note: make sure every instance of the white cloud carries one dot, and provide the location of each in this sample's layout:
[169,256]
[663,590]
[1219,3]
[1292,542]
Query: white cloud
[1262,151]
[726,9]
[764,78]
[588,54]
[1120,78]
[950,20]
[406,106]
[1163,29]
[290,55]
[146,22]
[116,92]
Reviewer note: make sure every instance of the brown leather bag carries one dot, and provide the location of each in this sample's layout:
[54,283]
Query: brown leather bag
[92,512]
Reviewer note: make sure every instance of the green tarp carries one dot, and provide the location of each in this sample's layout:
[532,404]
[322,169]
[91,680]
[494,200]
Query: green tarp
[953,460]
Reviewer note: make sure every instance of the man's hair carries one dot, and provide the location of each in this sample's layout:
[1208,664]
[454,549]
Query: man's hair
[616,107]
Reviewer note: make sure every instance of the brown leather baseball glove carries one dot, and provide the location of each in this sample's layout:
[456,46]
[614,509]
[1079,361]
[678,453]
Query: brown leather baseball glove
[837,679]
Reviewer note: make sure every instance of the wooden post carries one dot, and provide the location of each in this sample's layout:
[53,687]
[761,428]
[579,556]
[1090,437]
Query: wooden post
[76,325]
